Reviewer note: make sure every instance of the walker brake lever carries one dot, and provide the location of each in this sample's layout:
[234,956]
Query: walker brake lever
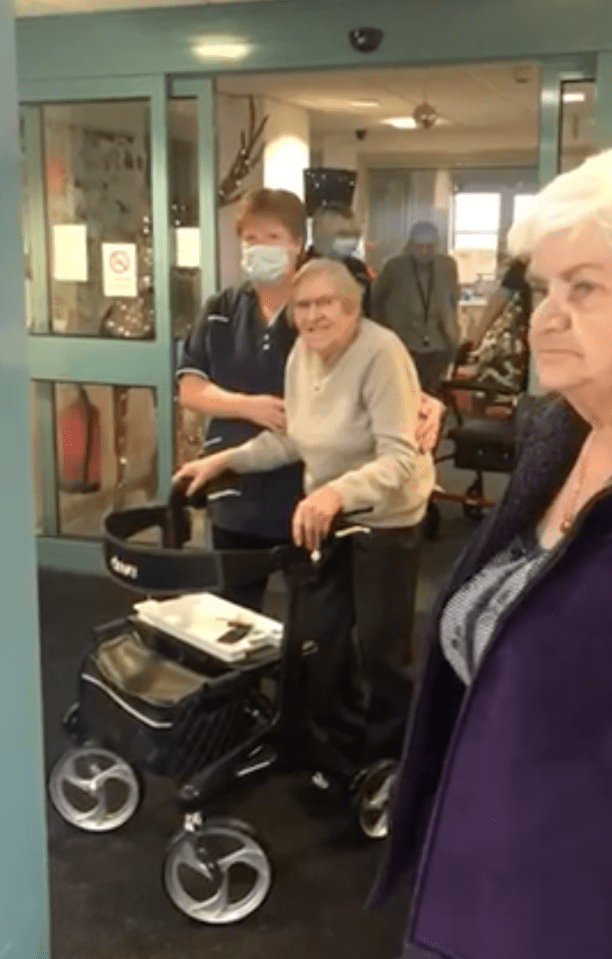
[351,531]
[316,553]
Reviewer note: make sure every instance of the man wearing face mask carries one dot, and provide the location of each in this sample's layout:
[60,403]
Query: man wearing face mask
[336,235]
[416,294]
[232,371]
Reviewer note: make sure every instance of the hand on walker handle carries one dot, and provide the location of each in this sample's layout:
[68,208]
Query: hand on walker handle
[313,517]
[199,472]
[429,421]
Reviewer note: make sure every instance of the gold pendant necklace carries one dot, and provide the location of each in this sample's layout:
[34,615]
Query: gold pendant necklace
[572,510]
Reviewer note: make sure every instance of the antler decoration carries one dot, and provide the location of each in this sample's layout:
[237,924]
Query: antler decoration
[248,156]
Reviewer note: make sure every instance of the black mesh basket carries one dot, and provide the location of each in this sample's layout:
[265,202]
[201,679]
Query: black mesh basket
[161,715]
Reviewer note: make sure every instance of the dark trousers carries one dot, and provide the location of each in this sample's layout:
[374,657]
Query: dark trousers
[250,594]
[432,367]
[367,586]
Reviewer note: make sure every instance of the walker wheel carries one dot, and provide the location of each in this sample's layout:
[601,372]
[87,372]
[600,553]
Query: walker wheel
[94,789]
[219,874]
[374,798]
[472,511]
[473,501]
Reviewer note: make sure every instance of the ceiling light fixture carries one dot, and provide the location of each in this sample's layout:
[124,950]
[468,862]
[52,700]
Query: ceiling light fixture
[402,123]
[574,96]
[365,104]
[221,48]
[425,115]
[409,123]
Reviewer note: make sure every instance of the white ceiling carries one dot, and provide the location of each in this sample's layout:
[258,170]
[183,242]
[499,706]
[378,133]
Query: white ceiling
[38,8]
[468,97]
[495,104]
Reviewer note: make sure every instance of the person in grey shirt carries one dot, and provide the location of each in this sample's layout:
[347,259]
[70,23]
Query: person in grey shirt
[416,295]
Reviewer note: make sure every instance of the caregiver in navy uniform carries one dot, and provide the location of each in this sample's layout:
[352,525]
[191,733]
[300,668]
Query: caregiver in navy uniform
[232,371]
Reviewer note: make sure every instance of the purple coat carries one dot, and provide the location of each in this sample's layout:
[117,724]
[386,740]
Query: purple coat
[504,798]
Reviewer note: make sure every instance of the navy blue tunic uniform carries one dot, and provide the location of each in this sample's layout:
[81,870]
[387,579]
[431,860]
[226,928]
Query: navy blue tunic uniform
[233,347]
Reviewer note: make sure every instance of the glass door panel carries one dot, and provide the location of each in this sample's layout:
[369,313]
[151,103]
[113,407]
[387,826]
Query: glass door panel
[184,222]
[106,452]
[91,188]
[578,136]
[119,240]
[193,229]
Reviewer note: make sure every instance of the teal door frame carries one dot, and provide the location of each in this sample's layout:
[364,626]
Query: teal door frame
[604,100]
[202,90]
[58,357]
[90,359]
[23,868]
[554,73]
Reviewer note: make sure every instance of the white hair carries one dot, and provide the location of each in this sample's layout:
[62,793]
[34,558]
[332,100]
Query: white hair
[570,200]
[345,284]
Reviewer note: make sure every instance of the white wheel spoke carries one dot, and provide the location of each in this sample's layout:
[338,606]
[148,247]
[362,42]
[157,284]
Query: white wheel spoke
[99,816]
[190,858]
[94,816]
[248,855]
[217,904]
[218,908]
[381,797]
[70,775]
[374,801]
[119,771]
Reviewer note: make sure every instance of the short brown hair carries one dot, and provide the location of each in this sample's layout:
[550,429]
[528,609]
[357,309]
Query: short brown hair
[281,205]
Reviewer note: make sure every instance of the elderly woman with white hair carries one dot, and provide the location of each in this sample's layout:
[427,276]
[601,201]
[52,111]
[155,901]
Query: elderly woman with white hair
[503,807]
[352,397]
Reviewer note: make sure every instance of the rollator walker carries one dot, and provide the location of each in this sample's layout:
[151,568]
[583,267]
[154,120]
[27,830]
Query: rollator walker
[210,695]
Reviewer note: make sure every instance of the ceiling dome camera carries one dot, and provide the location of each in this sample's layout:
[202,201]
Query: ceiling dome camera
[366,39]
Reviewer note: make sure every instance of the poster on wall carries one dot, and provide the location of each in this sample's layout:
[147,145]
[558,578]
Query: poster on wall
[188,247]
[119,270]
[70,253]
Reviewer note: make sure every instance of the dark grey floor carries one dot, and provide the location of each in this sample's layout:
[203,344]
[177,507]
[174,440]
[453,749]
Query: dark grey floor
[107,900]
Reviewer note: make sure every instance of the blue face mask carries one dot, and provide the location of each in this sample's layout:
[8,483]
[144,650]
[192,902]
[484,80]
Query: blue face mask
[344,246]
[264,262]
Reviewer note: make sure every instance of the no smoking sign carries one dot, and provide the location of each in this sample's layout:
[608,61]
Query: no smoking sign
[119,269]
[119,262]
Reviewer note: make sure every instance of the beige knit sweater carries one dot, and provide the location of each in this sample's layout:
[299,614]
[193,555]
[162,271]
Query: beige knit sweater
[352,422]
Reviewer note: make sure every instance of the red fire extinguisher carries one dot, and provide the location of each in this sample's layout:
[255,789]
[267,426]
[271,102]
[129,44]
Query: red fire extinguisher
[79,445]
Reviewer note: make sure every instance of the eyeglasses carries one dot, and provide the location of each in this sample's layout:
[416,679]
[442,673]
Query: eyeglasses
[320,302]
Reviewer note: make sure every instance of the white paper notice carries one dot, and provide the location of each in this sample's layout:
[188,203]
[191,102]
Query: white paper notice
[70,253]
[119,269]
[188,247]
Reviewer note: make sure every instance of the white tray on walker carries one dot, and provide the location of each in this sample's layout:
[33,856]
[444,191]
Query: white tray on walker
[202,620]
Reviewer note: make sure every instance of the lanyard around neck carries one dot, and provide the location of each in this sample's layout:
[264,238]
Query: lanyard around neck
[425,291]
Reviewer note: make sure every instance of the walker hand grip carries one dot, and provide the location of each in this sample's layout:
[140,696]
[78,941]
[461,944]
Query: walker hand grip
[342,526]
[178,495]
[176,530]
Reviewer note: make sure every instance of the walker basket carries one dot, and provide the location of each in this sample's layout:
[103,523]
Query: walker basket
[160,713]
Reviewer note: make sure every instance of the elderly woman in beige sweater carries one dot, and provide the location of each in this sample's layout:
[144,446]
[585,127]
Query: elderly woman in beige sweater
[352,400]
